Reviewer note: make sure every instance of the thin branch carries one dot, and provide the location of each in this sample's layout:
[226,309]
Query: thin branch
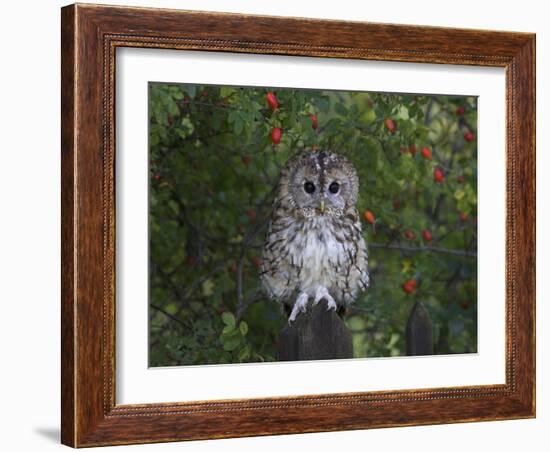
[167,278]
[254,298]
[432,249]
[184,103]
[358,310]
[167,314]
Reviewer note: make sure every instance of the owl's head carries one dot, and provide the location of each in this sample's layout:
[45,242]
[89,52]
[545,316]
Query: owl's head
[321,183]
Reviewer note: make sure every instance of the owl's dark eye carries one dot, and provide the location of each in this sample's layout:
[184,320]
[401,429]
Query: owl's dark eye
[309,187]
[334,187]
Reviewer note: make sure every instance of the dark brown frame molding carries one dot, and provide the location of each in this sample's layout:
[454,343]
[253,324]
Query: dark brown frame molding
[90,35]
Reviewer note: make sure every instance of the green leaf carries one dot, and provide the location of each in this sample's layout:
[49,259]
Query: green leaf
[403,112]
[231,344]
[340,109]
[226,91]
[232,116]
[459,194]
[191,90]
[174,206]
[228,318]
[244,354]
[208,287]
[171,309]
[238,125]
[176,93]
[243,327]
[228,329]
[323,104]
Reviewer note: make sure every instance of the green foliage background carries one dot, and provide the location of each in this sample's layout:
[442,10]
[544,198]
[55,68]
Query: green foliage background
[213,168]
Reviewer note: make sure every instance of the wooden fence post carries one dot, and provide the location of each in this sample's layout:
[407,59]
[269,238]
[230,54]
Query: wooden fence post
[316,334]
[419,332]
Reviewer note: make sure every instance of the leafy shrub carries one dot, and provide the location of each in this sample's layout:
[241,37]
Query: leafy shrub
[213,167]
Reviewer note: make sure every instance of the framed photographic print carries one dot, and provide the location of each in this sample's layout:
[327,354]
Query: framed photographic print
[266,231]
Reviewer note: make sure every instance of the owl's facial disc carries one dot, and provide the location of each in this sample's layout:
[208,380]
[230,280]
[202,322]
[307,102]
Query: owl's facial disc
[322,184]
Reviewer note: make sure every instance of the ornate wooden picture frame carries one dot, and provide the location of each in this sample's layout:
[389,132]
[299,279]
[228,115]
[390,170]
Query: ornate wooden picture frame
[90,37]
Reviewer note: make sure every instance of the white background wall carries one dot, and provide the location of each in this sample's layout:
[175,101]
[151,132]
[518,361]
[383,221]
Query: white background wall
[29,225]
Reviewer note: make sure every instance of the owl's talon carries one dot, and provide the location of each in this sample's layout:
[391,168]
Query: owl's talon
[331,304]
[321,293]
[300,305]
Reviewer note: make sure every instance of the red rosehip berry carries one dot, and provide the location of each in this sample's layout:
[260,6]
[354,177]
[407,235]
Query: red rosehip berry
[427,235]
[463,217]
[314,121]
[390,124]
[156,176]
[469,136]
[439,177]
[276,135]
[409,286]
[460,111]
[369,217]
[409,235]
[426,153]
[412,149]
[272,101]
[252,215]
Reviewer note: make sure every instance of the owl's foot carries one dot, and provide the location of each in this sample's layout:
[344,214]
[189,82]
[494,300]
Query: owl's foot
[321,293]
[300,305]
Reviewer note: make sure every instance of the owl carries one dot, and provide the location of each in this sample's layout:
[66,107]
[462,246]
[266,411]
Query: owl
[314,247]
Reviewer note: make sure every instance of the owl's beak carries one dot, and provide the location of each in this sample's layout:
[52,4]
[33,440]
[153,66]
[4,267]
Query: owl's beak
[322,206]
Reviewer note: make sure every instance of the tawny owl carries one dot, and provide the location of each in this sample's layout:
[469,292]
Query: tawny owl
[314,247]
